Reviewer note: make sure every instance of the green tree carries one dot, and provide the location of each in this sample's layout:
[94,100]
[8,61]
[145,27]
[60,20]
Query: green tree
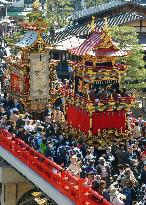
[58,11]
[13,39]
[35,17]
[127,39]
[91,3]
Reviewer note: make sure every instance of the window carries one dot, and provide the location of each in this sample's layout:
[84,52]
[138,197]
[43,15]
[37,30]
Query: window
[89,63]
[104,64]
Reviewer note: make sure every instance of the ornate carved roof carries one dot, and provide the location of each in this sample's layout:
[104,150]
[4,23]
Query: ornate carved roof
[99,43]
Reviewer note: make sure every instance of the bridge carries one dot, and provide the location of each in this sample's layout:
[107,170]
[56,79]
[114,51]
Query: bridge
[52,179]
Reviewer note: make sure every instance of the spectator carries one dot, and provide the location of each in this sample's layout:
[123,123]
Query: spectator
[130,155]
[115,197]
[103,170]
[136,131]
[74,166]
[143,174]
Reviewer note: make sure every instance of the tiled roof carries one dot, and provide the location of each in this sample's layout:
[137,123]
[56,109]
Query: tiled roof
[84,30]
[102,8]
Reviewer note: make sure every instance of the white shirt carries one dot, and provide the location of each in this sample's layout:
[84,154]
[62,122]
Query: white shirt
[116,201]
[29,127]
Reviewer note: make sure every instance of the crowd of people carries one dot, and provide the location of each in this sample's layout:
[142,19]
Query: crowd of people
[118,172]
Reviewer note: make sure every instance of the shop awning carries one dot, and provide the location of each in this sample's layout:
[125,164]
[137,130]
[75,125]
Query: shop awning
[13,13]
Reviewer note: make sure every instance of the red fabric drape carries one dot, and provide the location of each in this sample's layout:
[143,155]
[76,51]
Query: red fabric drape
[26,83]
[78,118]
[108,120]
[15,82]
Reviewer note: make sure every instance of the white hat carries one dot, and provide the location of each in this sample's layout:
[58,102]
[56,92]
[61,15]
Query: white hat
[101,159]
[113,190]
[15,110]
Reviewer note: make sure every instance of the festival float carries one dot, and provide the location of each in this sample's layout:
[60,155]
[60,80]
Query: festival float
[97,67]
[30,70]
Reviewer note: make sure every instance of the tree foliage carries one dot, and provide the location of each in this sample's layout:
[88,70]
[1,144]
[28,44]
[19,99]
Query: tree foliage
[127,39]
[57,12]
[13,39]
[91,3]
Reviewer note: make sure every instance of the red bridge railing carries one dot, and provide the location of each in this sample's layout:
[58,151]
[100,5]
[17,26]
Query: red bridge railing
[72,187]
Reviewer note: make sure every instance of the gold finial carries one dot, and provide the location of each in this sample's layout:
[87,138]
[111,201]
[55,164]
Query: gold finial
[106,27]
[93,23]
[36,5]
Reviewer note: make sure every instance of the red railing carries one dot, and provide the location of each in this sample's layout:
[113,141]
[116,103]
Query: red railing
[127,100]
[119,100]
[72,187]
[119,66]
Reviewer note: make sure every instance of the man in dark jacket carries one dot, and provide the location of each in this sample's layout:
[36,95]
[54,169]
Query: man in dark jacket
[143,174]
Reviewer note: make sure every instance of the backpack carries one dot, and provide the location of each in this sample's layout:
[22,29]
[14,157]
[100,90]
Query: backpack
[104,172]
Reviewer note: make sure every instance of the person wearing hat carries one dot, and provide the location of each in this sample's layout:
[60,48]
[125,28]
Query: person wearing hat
[74,166]
[103,170]
[90,176]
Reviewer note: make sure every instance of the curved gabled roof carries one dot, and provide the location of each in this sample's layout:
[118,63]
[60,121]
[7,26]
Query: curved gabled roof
[94,46]
[93,40]
[28,39]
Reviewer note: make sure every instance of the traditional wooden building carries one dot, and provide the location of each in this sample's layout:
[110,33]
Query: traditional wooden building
[3,8]
[95,104]
[29,69]
[119,13]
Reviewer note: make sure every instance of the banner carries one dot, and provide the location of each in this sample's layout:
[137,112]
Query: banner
[15,82]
